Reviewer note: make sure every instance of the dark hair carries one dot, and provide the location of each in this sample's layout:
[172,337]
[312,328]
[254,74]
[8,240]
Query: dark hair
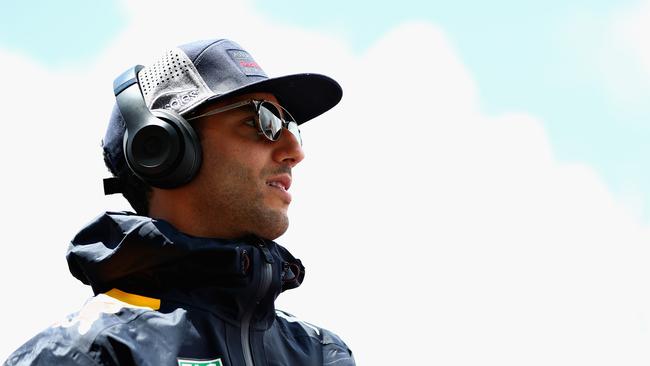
[134,189]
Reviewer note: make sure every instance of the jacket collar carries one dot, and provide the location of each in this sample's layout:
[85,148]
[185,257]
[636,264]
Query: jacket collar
[150,257]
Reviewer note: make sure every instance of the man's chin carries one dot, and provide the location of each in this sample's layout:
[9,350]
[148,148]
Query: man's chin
[272,225]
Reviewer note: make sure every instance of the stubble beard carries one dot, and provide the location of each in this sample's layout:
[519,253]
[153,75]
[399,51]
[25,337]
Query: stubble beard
[238,202]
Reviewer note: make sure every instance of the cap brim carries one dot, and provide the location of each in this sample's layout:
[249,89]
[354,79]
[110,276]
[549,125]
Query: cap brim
[305,96]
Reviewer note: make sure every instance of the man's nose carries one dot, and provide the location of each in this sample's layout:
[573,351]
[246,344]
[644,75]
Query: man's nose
[288,150]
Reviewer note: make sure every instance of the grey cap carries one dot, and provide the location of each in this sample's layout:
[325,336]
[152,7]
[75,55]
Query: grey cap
[196,73]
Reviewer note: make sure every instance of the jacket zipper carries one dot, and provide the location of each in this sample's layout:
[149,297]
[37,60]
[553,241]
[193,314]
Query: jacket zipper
[265,283]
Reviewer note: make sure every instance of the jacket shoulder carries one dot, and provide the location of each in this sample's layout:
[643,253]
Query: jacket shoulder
[80,338]
[50,347]
[335,351]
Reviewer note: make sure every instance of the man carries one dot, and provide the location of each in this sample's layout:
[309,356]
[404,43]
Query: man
[201,143]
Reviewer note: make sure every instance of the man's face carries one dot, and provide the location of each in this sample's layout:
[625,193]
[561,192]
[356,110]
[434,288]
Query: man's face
[241,187]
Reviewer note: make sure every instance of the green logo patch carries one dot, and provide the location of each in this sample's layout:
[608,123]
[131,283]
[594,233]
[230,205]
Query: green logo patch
[191,362]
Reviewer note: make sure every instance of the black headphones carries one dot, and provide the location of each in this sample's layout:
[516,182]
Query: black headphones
[160,146]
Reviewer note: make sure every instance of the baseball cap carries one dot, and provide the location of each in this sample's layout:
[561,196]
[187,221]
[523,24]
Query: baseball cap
[193,74]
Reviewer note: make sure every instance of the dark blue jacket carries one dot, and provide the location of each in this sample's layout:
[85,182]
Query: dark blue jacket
[166,298]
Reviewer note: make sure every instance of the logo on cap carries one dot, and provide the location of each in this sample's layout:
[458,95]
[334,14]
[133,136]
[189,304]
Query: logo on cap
[176,100]
[246,63]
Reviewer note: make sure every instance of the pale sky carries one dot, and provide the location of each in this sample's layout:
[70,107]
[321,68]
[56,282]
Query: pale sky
[478,197]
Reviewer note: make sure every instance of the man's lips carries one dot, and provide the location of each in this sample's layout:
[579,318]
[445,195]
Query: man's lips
[280,181]
[281,184]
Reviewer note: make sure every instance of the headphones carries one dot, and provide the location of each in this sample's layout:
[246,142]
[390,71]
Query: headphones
[160,146]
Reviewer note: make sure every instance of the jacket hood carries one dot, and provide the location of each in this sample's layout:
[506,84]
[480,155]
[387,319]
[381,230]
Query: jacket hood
[150,257]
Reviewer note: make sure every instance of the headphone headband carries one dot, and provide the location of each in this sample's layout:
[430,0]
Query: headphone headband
[126,79]
[130,100]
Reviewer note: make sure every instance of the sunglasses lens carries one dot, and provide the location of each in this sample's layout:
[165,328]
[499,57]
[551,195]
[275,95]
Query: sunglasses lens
[270,122]
[293,128]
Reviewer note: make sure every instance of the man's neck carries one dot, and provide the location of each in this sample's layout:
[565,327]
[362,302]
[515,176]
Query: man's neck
[178,210]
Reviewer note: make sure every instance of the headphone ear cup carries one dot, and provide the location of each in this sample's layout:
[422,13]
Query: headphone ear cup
[165,152]
[190,160]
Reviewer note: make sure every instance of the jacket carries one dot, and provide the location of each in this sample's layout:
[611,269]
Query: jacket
[166,298]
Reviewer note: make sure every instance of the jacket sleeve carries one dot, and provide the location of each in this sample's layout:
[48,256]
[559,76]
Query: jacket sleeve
[335,351]
[48,353]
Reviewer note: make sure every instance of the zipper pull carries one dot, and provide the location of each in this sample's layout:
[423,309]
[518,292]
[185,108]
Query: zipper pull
[245,262]
[265,251]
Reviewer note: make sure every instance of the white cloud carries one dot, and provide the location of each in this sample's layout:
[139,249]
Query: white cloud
[615,52]
[463,239]
[431,232]
[612,51]
[631,28]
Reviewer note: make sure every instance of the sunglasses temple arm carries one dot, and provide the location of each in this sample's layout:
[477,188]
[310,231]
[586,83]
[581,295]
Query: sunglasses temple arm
[222,109]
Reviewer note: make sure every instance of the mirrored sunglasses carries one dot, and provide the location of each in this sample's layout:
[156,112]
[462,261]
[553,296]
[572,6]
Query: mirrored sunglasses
[269,119]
